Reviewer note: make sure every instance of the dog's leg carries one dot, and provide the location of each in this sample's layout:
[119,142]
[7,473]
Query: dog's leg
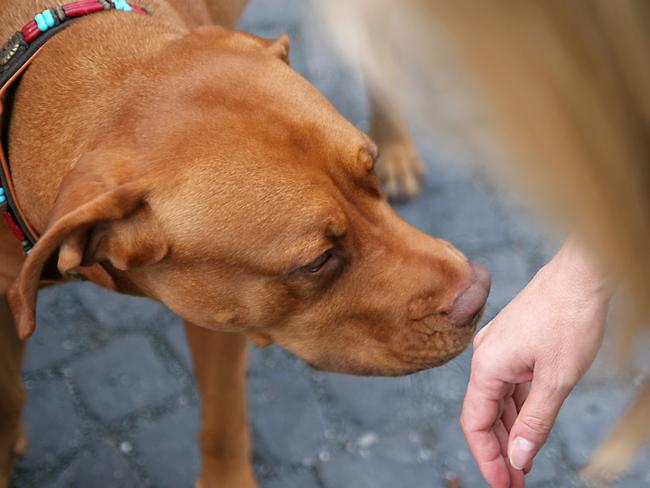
[400,167]
[226,12]
[12,395]
[623,443]
[220,362]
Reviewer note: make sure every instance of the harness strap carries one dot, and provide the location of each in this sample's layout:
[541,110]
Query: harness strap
[15,57]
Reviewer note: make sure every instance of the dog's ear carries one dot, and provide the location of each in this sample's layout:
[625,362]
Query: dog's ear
[279,47]
[131,241]
[96,218]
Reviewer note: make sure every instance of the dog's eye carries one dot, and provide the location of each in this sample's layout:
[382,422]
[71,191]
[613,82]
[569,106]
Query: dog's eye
[317,264]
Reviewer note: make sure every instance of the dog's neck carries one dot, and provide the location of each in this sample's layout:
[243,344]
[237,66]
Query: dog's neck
[180,13]
[73,96]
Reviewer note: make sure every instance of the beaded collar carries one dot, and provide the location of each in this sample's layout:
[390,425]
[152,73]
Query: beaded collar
[15,56]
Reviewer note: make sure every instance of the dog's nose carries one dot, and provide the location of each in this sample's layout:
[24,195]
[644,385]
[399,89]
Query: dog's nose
[469,304]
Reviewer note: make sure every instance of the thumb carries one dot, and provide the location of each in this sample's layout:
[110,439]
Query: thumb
[534,422]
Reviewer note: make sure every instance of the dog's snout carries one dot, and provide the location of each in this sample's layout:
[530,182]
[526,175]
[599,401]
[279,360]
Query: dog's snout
[469,304]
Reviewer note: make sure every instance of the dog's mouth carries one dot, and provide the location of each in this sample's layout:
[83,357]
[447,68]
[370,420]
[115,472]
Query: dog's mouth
[432,342]
[419,349]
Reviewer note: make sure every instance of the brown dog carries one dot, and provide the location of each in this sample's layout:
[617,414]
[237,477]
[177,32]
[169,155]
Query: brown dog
[165,156]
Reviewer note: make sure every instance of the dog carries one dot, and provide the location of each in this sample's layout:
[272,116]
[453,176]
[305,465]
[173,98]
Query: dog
[167,155]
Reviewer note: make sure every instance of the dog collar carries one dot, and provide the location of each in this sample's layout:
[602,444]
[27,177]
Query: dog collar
[15,56]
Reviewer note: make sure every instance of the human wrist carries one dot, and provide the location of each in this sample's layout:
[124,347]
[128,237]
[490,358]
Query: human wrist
[577,270]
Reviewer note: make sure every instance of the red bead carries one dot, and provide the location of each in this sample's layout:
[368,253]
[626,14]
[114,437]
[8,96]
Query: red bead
[30,31]
[82,3]
[14,226]
[80,9]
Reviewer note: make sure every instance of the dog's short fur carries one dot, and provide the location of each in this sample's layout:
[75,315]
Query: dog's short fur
[166,156]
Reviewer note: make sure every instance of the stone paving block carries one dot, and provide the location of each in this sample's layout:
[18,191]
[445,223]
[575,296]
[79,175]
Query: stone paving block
[123,377]
[54,427]
[264,359]
[450,452]
[447,382]
[98,465]
[287,419]
[60,322]
[256,357]
[443,163]
[404,447]
[114,310]
[462,213]
[351,472]
[301,479]
[168,448]
[354,401]
[175,335]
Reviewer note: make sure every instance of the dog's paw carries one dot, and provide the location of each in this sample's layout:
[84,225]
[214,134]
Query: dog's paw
[20,446]
[400,169]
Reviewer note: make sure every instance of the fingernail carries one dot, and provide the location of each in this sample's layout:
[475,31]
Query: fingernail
[521,453]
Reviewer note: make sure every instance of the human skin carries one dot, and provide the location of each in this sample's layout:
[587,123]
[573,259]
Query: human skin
[528,359]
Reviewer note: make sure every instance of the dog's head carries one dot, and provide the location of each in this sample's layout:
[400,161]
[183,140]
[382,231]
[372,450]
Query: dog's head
[242,200]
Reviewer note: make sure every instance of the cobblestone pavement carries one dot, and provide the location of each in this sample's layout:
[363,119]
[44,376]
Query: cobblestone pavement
[111,395]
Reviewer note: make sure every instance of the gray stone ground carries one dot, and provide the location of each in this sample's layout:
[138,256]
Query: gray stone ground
[111,395]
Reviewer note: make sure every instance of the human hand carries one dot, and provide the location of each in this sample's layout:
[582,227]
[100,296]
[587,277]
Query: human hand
[526,362]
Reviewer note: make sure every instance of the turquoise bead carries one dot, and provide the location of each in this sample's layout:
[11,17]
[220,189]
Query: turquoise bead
[122,5]
[3,198]
[49,18]
[40,22]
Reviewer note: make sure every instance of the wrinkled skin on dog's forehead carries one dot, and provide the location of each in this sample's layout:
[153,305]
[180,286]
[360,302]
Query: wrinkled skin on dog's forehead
[277,227]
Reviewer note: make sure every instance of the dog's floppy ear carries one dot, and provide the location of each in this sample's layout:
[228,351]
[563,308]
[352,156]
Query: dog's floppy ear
[95,218]
[279,47]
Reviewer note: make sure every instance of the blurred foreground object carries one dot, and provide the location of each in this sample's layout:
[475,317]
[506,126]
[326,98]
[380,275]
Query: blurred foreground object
[564,86]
